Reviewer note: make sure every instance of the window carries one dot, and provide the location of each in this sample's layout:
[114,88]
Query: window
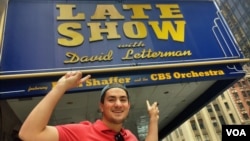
[198,138]
[232,118]
[241,9]
[193,125]
[244,93]
[216,107]
[170,137]
[245,116]
[248,103]
[180,131]
[215,124]
[222,121]
[226,105]
[200,121]
[248,78]
[176,133]
[248,93]
[239,84]
[222,96]
[236,96]
[231,4]
[243,82]
[240,105]
[209,108]
[206,137]
[245,4]
[214,121]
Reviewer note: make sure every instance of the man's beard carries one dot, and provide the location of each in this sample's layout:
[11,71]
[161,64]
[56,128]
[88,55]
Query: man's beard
[115,120]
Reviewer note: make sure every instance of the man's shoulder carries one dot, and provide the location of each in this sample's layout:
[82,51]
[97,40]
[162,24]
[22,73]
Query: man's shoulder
[86,122]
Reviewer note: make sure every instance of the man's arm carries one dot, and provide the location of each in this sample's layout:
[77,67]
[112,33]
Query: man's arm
[35,126]
[153,122]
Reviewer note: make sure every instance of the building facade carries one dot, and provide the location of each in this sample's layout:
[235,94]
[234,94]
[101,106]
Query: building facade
[233,106]
[237,15]
[230,108]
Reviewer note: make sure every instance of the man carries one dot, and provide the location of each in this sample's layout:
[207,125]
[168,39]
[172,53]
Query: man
[114,105]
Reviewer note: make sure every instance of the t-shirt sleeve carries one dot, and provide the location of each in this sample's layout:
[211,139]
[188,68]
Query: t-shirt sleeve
[73,132]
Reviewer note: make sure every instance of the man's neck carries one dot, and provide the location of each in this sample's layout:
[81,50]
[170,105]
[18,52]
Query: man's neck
[113,126]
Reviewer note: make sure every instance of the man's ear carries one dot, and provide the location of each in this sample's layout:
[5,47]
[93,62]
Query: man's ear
[101,107]
[129,105]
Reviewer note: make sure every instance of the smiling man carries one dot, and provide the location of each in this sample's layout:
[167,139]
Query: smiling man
[114,105]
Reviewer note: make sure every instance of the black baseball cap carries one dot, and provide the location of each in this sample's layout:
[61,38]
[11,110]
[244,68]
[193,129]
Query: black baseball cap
[113,85]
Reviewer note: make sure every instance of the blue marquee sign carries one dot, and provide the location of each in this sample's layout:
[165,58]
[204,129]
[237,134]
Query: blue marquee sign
[56,35]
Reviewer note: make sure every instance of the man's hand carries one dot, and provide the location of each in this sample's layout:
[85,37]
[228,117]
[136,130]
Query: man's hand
[153,110]
[35,127]
[72,79]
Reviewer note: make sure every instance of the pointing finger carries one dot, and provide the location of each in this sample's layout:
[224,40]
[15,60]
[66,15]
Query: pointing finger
[155,104]
[85,78]
[148,105]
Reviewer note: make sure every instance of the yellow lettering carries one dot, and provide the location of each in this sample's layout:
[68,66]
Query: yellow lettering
[194,74]
[74,58]
[138,10]
[95,31]
[66,12]
[72,35]
[132,45]
[37,88]
[153,77]
[160,76]
[102,82]
[177,34]
[104,11]
[169,11]
[148,54]
[141,30]
[101,57]
[73,38]
[128,55]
